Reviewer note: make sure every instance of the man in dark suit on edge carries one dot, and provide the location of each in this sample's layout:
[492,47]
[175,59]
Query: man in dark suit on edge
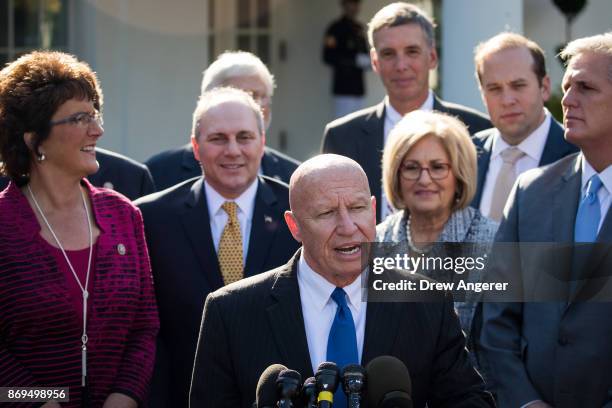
[211,230]
[402,51]
[511,73]
[558,353]
[294,314]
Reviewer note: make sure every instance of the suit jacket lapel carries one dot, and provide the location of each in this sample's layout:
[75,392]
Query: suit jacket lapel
[286,319]
[556,146]
[437,105]
[269,165]
[565,203]
[197,228]
[370,149]
[566,197]
[484,157]
[264,226]
[380,316]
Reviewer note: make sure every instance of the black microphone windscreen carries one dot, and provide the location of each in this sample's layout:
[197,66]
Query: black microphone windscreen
[328,365]
[353,379]
[309,392]
[288,384]
[388,383]
[286,373]
[266,386]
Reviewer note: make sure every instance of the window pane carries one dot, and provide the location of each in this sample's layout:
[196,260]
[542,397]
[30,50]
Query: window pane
[263,13]
[244,13]
[54,30]
[244,42]
[263,48]
[4,23]
[26,23]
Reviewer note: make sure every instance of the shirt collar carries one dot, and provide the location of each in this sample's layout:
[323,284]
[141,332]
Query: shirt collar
[245,202]
[394,116]
[532,146]
[319,290]
[588,171]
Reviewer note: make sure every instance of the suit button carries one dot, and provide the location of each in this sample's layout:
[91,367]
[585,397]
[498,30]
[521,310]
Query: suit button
[563,341]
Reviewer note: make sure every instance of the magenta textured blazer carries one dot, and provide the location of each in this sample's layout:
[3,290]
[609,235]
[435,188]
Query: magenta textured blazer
[39,330]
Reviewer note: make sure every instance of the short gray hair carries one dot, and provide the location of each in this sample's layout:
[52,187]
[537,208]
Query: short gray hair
[598,44]
[232,64]
[397,14]
[217,96]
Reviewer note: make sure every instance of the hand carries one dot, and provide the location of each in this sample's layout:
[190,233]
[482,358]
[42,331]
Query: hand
[51,404]
[117,400]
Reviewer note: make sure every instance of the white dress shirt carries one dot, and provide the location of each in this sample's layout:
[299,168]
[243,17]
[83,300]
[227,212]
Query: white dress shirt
[391,118]
[532,146]
[218,217]
[603,194]
[319,310]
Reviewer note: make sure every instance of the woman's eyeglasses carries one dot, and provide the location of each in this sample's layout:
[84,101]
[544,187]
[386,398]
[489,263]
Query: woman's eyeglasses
[80,119]
[412,171]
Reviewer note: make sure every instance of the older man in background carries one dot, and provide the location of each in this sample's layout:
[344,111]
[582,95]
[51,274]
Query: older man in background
[237,69]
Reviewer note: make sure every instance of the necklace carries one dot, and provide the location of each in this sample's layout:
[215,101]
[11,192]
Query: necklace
[83,288]
[411,244]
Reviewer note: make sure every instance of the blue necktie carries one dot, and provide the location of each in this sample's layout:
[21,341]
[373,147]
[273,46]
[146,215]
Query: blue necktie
[589,213]
[342,341]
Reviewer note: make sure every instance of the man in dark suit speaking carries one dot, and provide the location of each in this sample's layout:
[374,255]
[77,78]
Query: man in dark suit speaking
[292,315]
[402,51]
[211,230]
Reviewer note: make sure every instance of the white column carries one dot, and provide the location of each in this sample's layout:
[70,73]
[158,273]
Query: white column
[464,24]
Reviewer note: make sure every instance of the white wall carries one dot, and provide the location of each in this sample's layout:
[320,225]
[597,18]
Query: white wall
[149,55]
[545,24]
[302,102]
[464,24]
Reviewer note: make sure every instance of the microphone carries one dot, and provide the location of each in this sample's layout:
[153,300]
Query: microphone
[389,384]
[353,383]
[309,393]
[266,387]
[288,386]
[327,378]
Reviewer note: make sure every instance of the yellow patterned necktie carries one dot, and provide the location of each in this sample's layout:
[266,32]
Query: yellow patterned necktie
[230,246]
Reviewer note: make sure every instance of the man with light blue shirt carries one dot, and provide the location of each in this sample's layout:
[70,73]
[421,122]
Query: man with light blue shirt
[211,230]
[558,353]
[512,77]
[402,53]
[311,310]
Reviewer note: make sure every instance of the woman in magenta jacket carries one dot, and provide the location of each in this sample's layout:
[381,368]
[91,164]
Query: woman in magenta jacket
[77,306]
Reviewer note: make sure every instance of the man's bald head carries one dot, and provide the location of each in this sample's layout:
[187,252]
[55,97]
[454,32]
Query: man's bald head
[314,173]
[332,214]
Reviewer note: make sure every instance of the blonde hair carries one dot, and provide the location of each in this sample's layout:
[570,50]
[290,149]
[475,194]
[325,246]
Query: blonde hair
[453,135]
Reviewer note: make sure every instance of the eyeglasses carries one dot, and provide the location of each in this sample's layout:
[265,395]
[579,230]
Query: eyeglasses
[412,171]
[81,119]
